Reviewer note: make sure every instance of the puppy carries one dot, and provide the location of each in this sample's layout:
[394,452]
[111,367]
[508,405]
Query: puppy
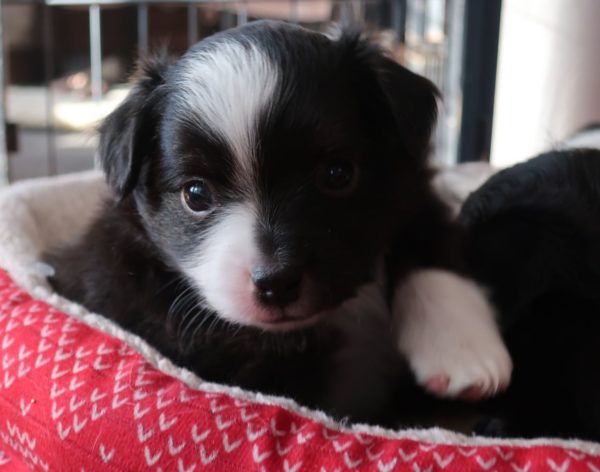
[533,235]
[274,227]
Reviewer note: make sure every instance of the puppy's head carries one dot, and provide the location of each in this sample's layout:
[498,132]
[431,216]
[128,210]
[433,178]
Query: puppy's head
[272,166]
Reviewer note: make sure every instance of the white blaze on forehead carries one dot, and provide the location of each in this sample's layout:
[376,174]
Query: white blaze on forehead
[230,86]
[221,266]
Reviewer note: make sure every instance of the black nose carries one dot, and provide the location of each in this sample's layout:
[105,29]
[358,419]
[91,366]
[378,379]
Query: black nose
[277,286]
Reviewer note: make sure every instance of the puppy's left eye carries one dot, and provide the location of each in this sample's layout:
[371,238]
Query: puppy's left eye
[197,196]
[338,177]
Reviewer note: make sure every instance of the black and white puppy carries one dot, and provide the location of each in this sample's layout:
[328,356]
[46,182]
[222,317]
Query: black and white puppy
[534,239]
[274,225]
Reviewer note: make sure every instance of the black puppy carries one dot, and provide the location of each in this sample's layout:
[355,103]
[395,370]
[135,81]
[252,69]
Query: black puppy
[534,239]
[274,226]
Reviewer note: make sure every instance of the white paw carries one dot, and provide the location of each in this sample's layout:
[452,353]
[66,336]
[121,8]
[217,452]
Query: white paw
[445,327]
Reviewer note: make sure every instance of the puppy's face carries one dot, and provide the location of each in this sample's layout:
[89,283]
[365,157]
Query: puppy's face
[272,167]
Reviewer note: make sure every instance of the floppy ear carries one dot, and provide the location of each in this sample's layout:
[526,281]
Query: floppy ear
[413,101]
[127,135]
[410,98]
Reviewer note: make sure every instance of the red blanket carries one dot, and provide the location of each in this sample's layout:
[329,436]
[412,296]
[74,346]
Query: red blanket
[75,398]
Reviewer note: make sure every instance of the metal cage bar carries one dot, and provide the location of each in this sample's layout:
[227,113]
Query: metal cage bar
[143,29]
[3,148]
[96,52]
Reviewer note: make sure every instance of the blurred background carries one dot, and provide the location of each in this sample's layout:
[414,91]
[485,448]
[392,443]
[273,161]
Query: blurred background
[517,76]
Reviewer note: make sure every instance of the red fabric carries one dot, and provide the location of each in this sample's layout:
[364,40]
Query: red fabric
[73,398]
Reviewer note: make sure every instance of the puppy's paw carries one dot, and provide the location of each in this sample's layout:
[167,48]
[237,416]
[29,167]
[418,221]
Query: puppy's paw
[466,371]
[446,329]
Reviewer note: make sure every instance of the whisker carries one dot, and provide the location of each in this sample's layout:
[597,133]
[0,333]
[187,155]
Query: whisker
[196,313]
[197,328]
[190,305]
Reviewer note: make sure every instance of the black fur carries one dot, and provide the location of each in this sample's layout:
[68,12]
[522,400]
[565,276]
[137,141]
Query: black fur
[534,239]
[338,98]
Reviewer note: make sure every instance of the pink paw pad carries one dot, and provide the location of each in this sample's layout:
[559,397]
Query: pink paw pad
[474,392]
[437,385]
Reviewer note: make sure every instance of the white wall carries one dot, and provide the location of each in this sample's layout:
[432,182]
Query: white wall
[548,80]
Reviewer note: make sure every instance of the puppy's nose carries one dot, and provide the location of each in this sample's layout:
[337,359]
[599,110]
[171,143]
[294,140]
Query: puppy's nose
[277,286]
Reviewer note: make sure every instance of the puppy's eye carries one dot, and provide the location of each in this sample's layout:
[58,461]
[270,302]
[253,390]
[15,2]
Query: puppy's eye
[197,196]
[338,177]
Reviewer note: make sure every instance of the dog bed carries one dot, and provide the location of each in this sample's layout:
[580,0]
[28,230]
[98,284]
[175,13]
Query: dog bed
[78,393]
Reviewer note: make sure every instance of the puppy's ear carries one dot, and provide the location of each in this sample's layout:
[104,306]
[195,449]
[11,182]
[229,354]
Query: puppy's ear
[410,99]
[128,134]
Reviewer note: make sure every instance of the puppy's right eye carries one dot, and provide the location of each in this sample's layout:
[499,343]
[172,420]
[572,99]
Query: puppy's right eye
[197,196]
